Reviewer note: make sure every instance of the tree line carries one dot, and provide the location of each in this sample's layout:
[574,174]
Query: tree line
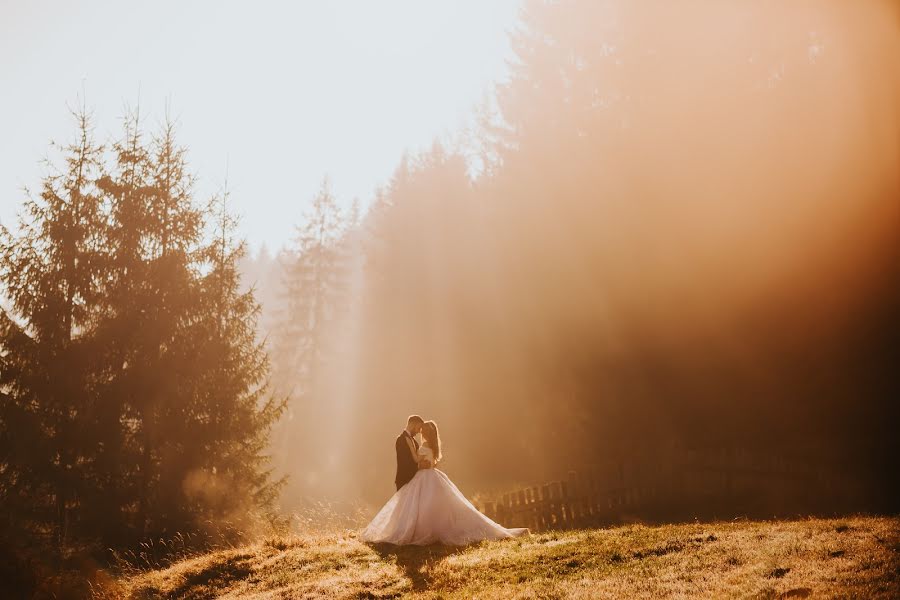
[638,249]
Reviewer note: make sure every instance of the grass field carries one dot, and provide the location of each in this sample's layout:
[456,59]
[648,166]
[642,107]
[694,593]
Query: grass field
[818,558]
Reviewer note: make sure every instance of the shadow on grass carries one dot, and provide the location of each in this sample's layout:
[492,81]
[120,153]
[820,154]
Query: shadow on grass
[210,581]
[414,559]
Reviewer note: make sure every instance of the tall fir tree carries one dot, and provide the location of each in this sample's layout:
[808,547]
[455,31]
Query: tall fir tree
[129,192]
[156,235]
[313,291]
[315,298]
[53,272]
[235,410]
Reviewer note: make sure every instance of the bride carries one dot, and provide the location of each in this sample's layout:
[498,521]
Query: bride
[430,509]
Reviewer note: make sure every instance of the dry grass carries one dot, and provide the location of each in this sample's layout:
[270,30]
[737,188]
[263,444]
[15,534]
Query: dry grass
[821,558]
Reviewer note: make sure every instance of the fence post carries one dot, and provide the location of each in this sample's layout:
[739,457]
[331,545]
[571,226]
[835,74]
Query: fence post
[507,509]
[517,509]
[522,504]
[584,492]
[547,506]
[574,499]
[560,494]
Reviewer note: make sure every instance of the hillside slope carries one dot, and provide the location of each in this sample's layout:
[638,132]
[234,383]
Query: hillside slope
[855,557]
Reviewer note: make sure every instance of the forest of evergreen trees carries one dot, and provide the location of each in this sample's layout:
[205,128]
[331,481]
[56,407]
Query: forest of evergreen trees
[601,278]
[623,262]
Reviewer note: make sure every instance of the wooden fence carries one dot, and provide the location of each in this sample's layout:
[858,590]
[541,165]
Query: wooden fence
[681,485]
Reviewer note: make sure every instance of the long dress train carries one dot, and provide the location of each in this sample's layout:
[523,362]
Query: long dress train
[430,509]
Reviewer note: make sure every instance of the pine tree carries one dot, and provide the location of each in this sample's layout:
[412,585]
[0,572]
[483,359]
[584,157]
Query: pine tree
[313,289]
[234,410]
[53,272]
[315,299]
[128,192]
[155,247]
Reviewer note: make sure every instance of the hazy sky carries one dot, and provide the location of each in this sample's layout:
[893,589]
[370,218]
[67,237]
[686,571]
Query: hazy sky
[282,92]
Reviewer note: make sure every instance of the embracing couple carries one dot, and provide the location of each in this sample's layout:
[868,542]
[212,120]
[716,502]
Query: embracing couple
[428,508]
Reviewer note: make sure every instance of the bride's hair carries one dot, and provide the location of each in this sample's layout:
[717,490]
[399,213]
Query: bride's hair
[432,438]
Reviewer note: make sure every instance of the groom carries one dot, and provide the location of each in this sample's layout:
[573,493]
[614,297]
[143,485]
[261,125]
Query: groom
[407,446]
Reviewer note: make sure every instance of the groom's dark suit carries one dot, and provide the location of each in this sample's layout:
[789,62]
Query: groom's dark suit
[406,466]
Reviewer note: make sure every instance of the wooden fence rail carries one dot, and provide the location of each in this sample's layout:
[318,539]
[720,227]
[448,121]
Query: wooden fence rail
[687,482]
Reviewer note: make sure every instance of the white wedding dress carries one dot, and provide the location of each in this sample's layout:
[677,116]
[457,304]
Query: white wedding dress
[431,510]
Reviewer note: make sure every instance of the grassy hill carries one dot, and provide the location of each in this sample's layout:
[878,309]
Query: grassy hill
[854,557]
